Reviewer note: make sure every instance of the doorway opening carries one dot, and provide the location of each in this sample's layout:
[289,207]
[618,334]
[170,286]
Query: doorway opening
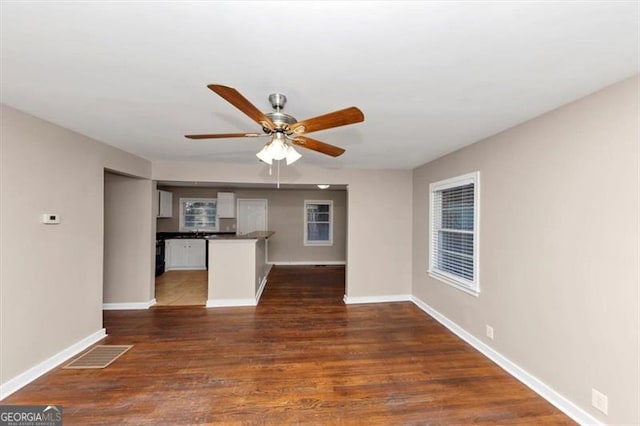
[128,234]
[257,207]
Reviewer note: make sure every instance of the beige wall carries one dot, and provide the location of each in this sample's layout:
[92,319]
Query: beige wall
[558,248]
[128,235]
[379,205]
[51,275]
[285,218]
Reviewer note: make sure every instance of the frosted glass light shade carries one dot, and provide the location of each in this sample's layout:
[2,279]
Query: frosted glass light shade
[264,155]
[292,155]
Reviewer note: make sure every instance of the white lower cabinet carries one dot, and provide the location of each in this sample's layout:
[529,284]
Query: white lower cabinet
[185,254]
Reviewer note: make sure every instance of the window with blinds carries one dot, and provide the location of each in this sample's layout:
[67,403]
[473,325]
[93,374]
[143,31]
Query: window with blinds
[318,223]
[453,254]
[198,214]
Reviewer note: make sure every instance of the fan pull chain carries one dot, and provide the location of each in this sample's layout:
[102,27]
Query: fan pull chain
[278,174]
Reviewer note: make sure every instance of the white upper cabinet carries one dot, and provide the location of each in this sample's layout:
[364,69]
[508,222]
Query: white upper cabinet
[165,204]
[226,205]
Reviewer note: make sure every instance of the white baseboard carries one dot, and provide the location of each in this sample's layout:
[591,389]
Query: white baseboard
[562,403]
[261,289]
[33,373]
[310,262]
[225,303]
[377,299]
[128,306]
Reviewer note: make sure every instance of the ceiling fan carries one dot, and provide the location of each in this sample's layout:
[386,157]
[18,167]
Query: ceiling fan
[283,129]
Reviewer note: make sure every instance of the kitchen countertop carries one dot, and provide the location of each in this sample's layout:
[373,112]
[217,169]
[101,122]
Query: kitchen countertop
[256,235]
[161,236]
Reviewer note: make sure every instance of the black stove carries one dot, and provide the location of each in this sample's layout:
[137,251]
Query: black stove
[159,257]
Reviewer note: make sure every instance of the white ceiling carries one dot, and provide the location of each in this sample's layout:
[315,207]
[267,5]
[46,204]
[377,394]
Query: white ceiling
[430,77]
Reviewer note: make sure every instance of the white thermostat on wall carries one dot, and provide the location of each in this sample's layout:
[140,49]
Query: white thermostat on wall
[50,218]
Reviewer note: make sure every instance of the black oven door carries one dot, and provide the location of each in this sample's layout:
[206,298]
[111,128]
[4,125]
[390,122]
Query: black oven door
[159,257]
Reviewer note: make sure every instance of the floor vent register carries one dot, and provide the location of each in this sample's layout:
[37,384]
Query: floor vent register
[99,357]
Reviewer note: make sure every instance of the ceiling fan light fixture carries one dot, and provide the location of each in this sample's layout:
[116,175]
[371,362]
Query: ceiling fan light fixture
[323,186]
[283,129]
[278,147]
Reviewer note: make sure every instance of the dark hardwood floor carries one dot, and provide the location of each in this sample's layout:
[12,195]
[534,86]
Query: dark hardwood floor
[300,357]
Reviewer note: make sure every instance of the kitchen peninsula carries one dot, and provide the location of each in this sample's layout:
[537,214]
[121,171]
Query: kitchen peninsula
[237,268]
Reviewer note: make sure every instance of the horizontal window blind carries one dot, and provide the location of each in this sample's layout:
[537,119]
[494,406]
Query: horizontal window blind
[453,232]
[198,213]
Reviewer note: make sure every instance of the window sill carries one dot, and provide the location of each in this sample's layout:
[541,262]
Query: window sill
[319,243]
[453,283]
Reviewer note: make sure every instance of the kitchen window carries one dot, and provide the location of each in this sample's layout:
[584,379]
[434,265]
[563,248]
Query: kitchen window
[454,233]
[198,214]
[318,223]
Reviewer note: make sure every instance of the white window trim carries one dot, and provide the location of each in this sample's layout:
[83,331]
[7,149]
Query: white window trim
[306,228]
[470,287]
[186,229]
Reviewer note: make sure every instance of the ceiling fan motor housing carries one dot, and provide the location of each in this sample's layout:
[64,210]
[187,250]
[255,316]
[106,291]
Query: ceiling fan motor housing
[277,100]
[279,118]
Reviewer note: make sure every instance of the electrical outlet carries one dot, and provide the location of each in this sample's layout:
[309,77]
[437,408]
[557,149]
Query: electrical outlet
[490,332]
[600,401]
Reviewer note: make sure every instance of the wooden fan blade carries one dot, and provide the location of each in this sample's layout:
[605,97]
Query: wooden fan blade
[223,135]
[327,121]
[316,145]
[234,97]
